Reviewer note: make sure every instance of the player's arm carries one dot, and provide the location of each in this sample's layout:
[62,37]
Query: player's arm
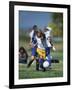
[52,45]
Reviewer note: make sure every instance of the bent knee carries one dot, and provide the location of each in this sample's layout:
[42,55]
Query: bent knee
[32,57]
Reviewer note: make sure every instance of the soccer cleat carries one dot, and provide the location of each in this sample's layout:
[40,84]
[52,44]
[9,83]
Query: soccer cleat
[54,61]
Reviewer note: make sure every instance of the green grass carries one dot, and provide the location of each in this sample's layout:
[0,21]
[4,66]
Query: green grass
[26,73]
[56,71]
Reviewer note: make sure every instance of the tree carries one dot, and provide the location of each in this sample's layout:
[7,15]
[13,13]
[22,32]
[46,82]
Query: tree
[58,19]
[57,24]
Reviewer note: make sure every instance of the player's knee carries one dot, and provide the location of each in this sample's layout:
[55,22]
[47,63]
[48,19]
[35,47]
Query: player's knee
[33,57]
[41,57]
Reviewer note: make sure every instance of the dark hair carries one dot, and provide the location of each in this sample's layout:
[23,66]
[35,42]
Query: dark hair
[35,26]
[24,51]
[21,48]
[42,34]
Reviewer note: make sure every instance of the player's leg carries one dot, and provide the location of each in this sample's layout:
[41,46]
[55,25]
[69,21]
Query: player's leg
[37,64]
[32,57]
[30,62]
[48,57]
[41,60]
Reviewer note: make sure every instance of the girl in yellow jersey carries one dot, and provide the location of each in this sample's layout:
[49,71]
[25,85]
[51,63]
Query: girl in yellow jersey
[41,48]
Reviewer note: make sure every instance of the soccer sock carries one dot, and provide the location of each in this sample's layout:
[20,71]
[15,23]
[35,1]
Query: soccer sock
[41,62]
[49,59]
[37,64]
[30,62]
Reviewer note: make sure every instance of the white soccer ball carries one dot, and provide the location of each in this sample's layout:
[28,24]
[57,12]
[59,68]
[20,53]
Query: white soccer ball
[45,64]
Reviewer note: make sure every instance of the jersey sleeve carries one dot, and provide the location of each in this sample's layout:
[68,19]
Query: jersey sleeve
[31,34]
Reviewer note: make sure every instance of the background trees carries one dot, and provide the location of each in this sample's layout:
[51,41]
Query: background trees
[57,24]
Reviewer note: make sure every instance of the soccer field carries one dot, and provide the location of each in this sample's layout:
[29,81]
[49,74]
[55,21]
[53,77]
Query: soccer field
[55,71]
[25,73]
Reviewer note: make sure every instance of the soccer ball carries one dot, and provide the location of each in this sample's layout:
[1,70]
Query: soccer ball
[45,64]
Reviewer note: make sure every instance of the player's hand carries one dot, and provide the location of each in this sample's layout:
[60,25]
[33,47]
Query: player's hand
[54,49]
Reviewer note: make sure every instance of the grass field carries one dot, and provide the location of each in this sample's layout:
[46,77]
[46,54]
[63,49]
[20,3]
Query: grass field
[57,68]
[25,73]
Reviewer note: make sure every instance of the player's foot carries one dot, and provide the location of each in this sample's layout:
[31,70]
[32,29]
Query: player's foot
[44,69]
[40,69]
[28,66]
[37,69]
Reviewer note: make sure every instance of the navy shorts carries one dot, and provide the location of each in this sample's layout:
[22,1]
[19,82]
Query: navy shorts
[34,51]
